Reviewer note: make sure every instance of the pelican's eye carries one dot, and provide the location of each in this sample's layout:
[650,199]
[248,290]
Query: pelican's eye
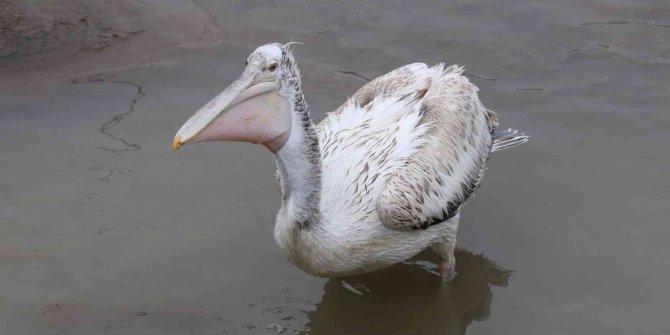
[272,67]
[246,62]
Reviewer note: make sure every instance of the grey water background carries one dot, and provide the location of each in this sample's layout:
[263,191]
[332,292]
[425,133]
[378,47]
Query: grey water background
[105,230]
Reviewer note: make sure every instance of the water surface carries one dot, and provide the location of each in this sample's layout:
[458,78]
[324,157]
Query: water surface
[103,229]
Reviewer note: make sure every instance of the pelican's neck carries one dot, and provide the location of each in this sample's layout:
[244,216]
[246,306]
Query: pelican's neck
[299,164]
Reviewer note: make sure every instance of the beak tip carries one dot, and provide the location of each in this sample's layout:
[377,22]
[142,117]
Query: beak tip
[176,143]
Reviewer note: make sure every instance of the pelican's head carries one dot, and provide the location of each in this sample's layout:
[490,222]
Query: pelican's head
[254,108]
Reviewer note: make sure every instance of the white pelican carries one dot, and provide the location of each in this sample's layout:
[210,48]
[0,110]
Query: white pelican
[380,179]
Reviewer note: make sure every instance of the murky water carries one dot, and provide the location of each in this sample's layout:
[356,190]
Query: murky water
[103,229]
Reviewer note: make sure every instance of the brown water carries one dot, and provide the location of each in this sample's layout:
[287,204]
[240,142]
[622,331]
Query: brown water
[103,229]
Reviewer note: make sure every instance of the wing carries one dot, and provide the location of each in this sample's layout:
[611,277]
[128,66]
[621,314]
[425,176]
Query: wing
[431,186]
[399,82]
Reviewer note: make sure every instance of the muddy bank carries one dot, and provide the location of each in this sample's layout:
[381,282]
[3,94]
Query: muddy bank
[56,39]
[31,30]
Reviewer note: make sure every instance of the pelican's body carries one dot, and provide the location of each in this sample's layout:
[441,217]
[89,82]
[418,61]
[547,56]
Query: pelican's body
[380,179]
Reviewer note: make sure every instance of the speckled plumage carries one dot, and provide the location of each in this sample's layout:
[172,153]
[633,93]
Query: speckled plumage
[380,179]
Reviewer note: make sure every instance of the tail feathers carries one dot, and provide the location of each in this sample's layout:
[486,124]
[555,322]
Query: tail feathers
[505,139]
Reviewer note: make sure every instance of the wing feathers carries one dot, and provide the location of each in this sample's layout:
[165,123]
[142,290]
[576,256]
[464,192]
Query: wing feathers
[442,174]
[414,142]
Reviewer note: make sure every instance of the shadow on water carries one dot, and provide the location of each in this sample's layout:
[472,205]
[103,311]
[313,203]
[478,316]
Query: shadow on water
[408,298]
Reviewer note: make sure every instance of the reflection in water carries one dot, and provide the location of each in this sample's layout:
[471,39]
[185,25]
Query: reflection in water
[409,298]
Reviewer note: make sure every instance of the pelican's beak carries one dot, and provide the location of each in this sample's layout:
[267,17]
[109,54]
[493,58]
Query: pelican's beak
[247,110]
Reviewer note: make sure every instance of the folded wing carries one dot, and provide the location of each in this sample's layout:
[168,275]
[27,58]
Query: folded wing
[443,173]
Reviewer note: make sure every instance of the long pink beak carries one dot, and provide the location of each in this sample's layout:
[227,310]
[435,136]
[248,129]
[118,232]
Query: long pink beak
[241,112]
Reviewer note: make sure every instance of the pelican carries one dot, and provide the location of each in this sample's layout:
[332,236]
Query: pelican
[380,179]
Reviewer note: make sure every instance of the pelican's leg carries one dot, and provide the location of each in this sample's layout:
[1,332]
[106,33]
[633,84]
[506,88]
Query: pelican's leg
[445,248]
[447,266]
